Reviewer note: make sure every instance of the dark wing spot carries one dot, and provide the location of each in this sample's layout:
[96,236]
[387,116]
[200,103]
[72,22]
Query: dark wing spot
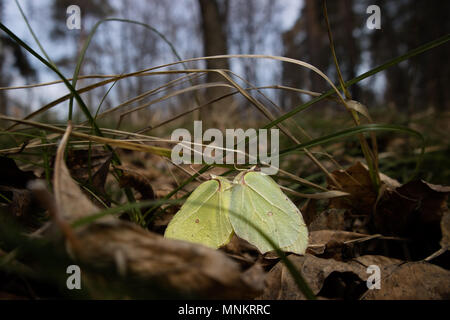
[197,221]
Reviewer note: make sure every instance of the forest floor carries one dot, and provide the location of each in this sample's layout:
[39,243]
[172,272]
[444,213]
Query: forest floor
[400,233]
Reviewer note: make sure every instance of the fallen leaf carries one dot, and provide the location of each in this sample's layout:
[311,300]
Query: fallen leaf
[239,246]
[309,211]
[242,251]
[381,261]
[84,164]
[327,278]
[336,244]
[140,183]
[388,181]
[356,181]
[90,168]
[413,211]
[21,200]
[321,237]
[254,277]
[13,186]
[71,202]
[281,286]
[412,207]
[188,269]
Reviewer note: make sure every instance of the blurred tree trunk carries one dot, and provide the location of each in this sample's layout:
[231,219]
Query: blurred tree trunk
[215,42]
[351,52]
[315,39]
[9,48]
[214,19]
[420,82]
[308,40]
[3,82]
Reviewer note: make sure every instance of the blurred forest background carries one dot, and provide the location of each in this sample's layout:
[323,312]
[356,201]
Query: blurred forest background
[291,28]
[414,92]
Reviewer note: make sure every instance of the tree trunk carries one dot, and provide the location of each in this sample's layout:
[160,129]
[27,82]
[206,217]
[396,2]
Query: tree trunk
[3,106]
[214,35]
[214,19]
[349,43]
[315,36]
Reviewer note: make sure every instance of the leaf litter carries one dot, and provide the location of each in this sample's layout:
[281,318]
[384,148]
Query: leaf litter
[404,230]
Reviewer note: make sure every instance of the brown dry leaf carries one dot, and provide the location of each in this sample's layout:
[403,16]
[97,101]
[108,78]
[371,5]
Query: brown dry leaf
[356,181]
[437,187]
[161,220]
[381,261]
[132,179]
[415,211]
[240,246]
[280,284]
[71,203]
[23,207]
[21,200]
[84,165]
[388,181]
[413,280]
[242,251]
[13,185]
[309,211]
[320,238]
[255,277]
[186,268]
[145,257]
[327,278]
[336,244]
[91,169]
[153,169]
[330,219]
